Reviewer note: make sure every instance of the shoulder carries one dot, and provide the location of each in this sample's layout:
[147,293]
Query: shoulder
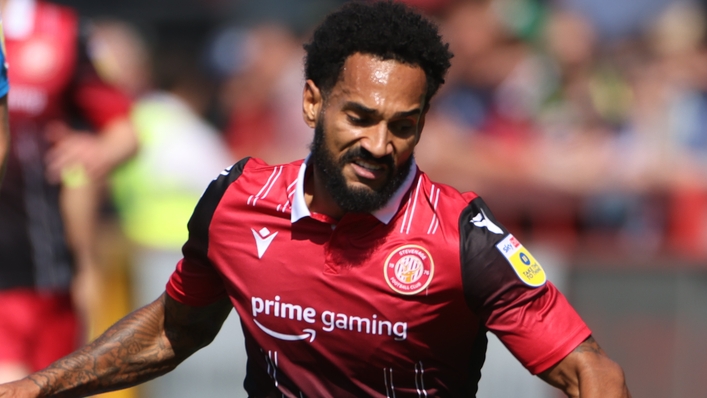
[228,176]
[55,8]
[252,178]
[443,198]
[51,13]
[258,173]
[431,186]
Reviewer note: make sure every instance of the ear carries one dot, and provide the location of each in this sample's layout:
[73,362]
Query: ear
[312,103]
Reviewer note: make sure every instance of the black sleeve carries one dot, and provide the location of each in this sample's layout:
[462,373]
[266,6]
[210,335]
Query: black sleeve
[488,277]
[196,247]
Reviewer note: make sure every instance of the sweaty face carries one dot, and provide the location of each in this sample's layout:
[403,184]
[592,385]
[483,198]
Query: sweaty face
[366,132]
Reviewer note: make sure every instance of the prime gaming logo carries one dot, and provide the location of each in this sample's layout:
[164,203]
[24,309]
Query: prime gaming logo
[326,321]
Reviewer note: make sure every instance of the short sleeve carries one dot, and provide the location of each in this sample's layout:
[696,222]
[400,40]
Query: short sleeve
[506,285]
[97,101]
[195,281]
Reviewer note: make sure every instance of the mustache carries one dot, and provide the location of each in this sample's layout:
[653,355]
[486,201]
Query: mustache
[363,154]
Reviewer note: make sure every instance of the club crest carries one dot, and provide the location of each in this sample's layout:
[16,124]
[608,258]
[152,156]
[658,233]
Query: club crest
[409,269]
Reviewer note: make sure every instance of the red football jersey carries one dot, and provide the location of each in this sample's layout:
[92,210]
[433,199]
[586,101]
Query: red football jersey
[51,74]
[393,303]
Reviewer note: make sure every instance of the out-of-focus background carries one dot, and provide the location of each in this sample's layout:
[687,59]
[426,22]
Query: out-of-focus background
[582,123]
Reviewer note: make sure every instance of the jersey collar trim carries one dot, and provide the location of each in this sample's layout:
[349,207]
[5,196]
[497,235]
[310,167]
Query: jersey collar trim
[384,214]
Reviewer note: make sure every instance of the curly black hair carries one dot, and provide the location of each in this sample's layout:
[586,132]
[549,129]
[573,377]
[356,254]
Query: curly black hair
[383,29]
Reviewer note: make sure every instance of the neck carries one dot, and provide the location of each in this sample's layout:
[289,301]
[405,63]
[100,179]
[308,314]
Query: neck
[318,198]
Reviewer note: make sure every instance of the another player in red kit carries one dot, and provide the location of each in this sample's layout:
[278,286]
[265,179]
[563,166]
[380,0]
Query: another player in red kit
[50,166]
[352,272]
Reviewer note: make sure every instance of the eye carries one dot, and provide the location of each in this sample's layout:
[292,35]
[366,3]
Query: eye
[403,127]
[358,121]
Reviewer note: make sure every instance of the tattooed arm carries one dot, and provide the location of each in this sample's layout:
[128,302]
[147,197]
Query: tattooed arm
[145,344]
[588,372]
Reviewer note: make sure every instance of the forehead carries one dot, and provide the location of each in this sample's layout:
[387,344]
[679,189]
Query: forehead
[376,82]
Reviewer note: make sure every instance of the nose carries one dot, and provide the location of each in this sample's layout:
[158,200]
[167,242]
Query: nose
[378,140]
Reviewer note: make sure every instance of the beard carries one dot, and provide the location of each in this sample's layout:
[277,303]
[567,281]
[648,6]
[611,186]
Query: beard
[355,199]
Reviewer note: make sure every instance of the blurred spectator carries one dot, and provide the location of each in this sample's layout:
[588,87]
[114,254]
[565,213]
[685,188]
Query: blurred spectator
[49,198]
[671,113]
[155,193]
[595,133]
[261,90]
[617,19]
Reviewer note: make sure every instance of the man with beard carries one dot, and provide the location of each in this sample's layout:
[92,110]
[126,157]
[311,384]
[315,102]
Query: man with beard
[352,272]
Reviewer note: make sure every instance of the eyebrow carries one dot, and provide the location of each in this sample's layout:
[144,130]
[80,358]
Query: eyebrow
[360,108]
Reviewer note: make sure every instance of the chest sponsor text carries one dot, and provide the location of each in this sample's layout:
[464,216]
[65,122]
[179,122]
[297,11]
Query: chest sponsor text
[328,320]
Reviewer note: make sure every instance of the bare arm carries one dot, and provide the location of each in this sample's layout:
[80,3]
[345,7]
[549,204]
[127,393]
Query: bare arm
[145,344]
[82,161]
[79,207]
[588,372]
[92,156]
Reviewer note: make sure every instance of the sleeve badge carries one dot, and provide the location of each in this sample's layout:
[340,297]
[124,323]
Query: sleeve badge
[523,263]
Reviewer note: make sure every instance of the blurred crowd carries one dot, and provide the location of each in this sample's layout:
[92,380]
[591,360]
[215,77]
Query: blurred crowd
[574,131]
[595,141]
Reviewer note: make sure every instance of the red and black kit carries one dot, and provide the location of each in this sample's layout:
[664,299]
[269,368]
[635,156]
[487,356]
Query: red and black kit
[392,303]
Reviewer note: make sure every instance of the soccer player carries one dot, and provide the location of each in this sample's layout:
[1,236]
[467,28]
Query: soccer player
[49,195]
[353,273]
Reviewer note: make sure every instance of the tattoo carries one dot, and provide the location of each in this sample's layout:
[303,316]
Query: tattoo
[589,345]
[145,344]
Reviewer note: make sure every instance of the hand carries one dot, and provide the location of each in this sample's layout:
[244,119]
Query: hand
[23,388]
[76,157]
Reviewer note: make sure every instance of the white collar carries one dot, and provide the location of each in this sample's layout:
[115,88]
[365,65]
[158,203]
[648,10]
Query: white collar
[384,214]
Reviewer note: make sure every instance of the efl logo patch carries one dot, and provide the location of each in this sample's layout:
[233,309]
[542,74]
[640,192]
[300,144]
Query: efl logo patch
[523,263]
[409,269]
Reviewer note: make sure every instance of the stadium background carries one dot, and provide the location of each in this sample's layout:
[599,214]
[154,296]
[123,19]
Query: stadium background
[604,173]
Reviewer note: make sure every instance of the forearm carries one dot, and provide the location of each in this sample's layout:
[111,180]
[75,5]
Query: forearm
[132,351]
[79,208]
[120,141]
[145,344]
[587,372]
[76,157]
[608,381]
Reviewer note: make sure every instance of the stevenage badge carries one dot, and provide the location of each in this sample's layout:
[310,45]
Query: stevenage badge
[409,269]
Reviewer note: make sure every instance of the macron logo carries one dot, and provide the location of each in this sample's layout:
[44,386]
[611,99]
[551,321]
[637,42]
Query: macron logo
[263,238]
[481,221]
